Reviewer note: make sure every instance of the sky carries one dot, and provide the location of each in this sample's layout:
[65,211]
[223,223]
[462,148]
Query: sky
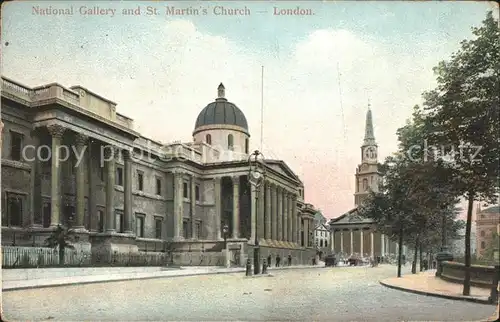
[320,70]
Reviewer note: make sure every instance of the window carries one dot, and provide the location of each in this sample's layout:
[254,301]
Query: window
[140,181]
[139,226]
[321,243]
[185,190]
[14,214]
[16,145]
[100,221]
[326,243]
[46,213]
[198,230]
[208,139]
[365,184]
[230,142]
[246,146]
[68,215]
[158,186]
[483,245]
[119,176]
[119,221]
[197,193]
[185,229]
[483,233]
[158,225]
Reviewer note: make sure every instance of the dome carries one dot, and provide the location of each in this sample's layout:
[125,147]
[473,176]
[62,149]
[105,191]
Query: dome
[221,112]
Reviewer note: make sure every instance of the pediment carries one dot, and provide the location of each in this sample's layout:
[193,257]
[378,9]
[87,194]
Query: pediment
[352,217]
[283,169]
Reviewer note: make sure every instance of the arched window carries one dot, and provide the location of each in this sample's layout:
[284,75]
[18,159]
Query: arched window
[246,146]
[208,139]
[483,245]
[365,184]
[230,142]
[483,233]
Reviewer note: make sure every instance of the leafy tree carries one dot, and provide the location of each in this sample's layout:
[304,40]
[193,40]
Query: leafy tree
[462,117]
[61,238]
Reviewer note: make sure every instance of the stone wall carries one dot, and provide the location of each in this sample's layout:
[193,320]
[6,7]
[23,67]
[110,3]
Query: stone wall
[481,276]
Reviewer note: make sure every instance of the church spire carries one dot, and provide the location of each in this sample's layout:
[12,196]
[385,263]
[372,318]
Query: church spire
[369,135]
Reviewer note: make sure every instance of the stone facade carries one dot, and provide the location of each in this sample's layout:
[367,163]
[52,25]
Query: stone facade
[487,222]
[69,158]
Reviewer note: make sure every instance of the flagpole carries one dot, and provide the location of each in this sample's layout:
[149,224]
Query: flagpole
[262,109]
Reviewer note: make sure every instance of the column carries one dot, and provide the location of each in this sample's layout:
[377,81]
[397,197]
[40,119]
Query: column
[290,218]
[56,131]
[332,240]
[274,212]
[285,216]
[217,203]
[253,194]
[295,225]
[306,232]
[268,211]
[361,237]
[372,252]
[35,205]
[179,206]
[80,142]
[382,245]
[261,209]
[92,220]
[352,241]
[193,207]
[127,192]
[110,155]
[280,213]
[236,206]
[342,241]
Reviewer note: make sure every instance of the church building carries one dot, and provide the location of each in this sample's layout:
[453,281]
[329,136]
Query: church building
[69,158]
[352,234]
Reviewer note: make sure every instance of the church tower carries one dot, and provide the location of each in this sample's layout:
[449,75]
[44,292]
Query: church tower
[367,175]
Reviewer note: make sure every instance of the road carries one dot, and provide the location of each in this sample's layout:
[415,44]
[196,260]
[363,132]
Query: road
[323,294]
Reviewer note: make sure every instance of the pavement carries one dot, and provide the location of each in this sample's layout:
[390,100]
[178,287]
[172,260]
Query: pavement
[27,280]
[310,294]
[426,283]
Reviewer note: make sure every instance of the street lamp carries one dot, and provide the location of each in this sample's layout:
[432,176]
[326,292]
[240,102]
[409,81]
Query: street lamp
[256,178]
[444,254]
[225,231]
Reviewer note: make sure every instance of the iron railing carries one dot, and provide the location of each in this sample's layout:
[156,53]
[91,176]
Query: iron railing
[38,257]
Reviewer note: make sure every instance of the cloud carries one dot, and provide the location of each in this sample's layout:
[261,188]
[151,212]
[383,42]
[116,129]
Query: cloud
[164,79]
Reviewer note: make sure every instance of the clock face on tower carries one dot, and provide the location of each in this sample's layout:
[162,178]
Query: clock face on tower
[370,153]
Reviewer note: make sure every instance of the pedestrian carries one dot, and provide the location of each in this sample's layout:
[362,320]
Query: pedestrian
[289,260]
[278,259]
[269,260]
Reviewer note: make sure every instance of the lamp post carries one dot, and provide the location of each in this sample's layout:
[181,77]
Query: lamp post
[256,178]
[444,254]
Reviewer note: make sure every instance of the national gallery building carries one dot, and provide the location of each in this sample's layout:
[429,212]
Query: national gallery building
[69,158]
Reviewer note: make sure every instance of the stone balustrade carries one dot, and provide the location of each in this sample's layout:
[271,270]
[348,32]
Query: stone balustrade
[481,276]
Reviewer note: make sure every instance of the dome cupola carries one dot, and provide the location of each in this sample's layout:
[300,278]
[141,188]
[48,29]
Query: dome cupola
[223,125]
[221,112]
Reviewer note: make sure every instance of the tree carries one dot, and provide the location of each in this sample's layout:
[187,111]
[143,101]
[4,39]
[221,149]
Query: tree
[403,199]
[462,118]
[60,238]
